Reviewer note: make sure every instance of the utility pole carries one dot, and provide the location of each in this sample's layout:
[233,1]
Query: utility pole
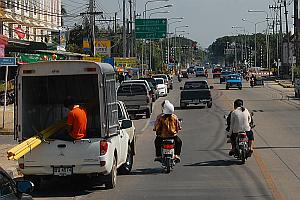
[296,28]
[115,22]
[92,26]
[287,32]
[92,14]
[124,30]
[131,29]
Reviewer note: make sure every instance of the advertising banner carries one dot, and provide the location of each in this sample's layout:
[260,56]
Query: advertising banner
[102,46]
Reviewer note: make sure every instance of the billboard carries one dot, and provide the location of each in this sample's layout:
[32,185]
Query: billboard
[102,46]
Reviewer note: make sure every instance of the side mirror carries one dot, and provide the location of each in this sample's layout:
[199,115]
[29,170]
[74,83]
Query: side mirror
[252,114]
[24,187]
[126,123]
[211,87]
[181,88]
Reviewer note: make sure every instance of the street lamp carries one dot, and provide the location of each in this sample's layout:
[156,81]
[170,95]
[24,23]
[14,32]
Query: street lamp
[144,13]
[243,28]
[255,40]
[165,6]
[168,35]
[267,35]
[161,12]
[186,26]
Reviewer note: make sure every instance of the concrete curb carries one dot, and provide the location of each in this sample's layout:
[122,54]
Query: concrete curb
[6,132]
[286,85]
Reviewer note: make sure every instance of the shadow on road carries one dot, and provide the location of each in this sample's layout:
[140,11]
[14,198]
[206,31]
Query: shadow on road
[146,171]
[190,108]
[261,148]
[215,163]
[208,150]
[69,187]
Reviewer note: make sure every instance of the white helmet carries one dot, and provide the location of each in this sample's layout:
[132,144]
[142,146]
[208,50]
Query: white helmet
[168,108]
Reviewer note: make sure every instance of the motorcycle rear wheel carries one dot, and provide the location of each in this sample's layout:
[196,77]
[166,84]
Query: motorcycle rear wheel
[243,155]
[168,165]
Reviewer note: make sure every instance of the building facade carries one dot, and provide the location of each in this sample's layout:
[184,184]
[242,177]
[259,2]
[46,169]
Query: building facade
[30,20]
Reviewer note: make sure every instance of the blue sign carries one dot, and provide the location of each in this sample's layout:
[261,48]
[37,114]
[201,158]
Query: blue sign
[8,61]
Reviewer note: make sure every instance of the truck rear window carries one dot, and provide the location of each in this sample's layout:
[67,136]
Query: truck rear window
[132,89]
[196,85]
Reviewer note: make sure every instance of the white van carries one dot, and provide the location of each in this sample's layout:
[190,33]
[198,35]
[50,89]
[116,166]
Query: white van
[41,91]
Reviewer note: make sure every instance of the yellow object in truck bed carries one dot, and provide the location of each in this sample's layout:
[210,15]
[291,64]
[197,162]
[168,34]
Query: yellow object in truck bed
[23,148]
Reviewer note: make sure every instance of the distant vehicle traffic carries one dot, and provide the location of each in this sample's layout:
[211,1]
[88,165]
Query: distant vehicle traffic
[184,74]
[152,90]
[234,81]
[224,75]
[161,86]
[168,82]
[195,93]
[200,71]
[152,84]
[191,70]
[217,72]
[137,98]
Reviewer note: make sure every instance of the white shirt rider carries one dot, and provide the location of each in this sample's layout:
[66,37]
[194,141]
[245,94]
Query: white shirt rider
[240,121]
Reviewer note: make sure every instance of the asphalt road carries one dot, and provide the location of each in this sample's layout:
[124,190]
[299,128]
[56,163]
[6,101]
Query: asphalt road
[206,170]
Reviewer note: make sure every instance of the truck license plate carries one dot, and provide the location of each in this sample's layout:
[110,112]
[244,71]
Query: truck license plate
[62,171]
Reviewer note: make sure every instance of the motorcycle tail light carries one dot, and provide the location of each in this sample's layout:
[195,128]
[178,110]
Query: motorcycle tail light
[243,135]
[168,146]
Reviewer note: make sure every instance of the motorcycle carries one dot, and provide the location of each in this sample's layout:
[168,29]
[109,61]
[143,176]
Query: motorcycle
[242,144]
[252,82]
[167,150]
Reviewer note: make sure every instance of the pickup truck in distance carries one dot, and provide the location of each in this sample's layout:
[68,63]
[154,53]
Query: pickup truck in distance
[195,93]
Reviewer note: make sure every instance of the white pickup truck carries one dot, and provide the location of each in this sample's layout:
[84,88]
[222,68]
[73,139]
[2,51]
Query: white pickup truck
[110,142]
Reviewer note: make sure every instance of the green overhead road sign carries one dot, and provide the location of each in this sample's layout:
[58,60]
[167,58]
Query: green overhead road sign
[151,28]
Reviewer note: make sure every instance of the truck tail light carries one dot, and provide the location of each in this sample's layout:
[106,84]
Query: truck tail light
[103,147]
[21,165]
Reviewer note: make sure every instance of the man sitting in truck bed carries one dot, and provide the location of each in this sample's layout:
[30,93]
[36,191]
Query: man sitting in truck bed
[77,120]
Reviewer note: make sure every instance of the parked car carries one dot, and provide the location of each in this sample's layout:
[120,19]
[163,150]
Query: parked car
[152,85]
[161,86]
[152,90]
[200,71]
[234,81]
[165,77]
[107,147]
[14,190]
[136,97]
[195,92]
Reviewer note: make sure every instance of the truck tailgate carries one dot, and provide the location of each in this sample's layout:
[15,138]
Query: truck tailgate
[133,100]
[64,153]
[195,94]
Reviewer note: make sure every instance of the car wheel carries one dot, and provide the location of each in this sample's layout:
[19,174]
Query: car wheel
[209,104]
[240,88]
[182,105]
[125,169]
[148,113]
[227,88]
[111,178]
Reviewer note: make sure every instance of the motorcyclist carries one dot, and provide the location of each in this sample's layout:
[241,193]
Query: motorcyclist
[240,120]
[167,126]
[253,79]
[206,73]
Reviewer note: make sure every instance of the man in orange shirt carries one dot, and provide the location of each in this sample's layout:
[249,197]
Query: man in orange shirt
[77,120]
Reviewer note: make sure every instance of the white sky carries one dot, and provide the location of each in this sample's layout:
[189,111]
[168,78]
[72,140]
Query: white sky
[207,19]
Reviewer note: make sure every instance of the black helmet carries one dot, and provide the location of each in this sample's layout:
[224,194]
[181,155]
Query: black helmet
[238,103]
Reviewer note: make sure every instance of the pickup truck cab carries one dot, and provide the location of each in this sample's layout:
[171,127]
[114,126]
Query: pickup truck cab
[108,145]
[234,81]
[196,93]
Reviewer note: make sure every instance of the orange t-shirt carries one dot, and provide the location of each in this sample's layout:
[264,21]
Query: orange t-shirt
[77,119]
